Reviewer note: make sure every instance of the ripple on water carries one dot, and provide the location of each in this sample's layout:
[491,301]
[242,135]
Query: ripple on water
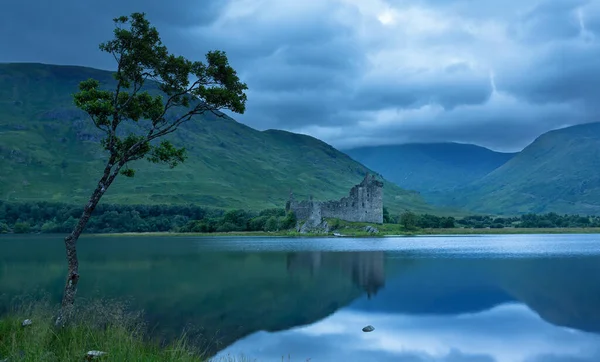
[427,246]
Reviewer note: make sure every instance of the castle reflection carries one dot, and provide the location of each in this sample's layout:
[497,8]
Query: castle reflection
[366,269]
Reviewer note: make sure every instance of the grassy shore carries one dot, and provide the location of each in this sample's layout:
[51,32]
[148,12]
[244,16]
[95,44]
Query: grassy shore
[508,231]
[99,326]
[384,230]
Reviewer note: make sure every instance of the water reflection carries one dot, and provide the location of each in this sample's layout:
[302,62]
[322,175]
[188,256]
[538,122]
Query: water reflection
[366,269]
[440,309]
[427,303]
[509,332]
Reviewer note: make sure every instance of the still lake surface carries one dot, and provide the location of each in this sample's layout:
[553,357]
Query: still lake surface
[529,298]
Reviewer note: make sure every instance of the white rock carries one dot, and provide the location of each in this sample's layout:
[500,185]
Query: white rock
[27,322]
[95,354]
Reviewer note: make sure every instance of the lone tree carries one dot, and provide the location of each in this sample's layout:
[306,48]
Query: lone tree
[187,89]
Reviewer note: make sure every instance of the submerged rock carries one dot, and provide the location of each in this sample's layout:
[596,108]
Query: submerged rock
[368,328]
[27,322]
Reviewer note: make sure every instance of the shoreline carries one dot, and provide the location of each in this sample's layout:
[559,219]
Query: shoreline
[363,234]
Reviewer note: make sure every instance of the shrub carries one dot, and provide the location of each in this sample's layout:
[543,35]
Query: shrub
[21,228]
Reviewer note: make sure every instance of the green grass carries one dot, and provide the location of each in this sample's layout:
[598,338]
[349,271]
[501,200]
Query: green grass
[99,327]
[49,151]
[357,230]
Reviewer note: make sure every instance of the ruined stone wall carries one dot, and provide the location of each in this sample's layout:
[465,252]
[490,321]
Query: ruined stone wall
[303,209]
[363,204]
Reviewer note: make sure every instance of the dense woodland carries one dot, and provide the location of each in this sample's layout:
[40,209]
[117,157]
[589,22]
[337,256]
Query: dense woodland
[49,217]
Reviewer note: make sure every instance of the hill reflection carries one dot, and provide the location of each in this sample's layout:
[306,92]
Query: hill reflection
[220,297]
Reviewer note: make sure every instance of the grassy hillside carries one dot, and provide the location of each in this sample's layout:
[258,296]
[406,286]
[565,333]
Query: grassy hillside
[430,167]
[558,172]
[49,150]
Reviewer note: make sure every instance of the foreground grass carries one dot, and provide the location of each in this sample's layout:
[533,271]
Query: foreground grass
[98,327]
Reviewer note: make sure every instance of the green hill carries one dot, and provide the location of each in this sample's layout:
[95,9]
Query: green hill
[49,151]
[430,167]
[558,172]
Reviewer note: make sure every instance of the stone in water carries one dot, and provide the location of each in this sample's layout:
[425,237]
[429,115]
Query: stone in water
[368,329]
[27,322]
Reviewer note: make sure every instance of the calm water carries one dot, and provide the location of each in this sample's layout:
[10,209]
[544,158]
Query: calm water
[530,298]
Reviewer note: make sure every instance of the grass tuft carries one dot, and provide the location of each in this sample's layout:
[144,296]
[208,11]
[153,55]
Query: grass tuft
[99,325]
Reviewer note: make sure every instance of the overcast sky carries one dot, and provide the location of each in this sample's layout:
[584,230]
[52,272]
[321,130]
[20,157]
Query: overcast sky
[360,72]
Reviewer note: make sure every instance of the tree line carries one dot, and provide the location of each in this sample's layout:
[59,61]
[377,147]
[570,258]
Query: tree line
[53,217]
[549,220]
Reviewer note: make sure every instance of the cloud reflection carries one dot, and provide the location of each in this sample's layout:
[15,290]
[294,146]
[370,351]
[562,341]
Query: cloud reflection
[506,333]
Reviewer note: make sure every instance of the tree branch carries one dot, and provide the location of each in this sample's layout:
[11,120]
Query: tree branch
[98,125]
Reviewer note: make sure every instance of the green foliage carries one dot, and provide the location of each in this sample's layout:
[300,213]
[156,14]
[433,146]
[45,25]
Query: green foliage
[166,153]
[541,221]
[411,221]
[48,217]
[408,220]
[272,224]
[289,221]
[21,228]
[386,215]
[258,223]
[235,220]
[432,221]
[141,56]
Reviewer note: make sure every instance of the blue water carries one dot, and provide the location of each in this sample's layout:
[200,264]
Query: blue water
[525,298]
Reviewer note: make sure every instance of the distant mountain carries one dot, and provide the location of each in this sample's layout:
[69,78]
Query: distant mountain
[430,167]
[49,151]
[558,172]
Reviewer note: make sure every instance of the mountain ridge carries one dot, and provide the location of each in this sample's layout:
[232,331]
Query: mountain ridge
[428,167]
[50,151]
[555,173]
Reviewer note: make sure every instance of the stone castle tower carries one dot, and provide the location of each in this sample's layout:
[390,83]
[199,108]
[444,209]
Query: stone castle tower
[363,204]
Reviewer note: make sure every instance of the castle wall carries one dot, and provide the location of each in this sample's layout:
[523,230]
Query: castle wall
[363,204]
[302,209]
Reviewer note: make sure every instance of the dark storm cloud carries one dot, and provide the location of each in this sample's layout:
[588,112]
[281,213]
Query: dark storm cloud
[361,72]
[452,86]
[567,72]
[69,31]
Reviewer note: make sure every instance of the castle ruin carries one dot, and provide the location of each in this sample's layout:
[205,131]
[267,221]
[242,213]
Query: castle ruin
[363,204]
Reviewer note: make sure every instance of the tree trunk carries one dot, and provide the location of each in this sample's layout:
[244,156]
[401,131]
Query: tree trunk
[68,299]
